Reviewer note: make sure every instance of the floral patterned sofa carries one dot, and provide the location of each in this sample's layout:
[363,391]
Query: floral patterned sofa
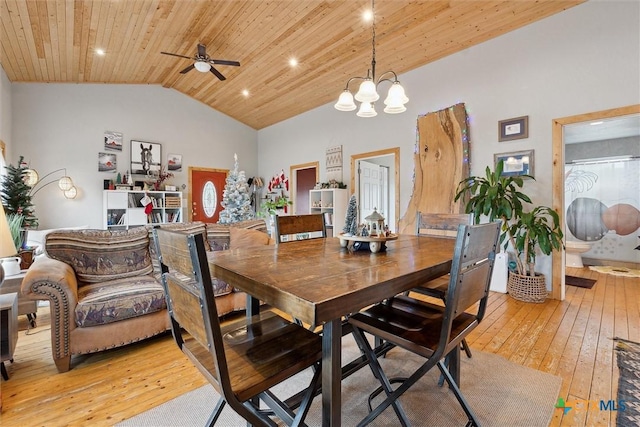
[103,286]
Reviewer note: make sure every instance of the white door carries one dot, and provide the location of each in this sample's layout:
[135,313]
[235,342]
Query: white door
[369,180]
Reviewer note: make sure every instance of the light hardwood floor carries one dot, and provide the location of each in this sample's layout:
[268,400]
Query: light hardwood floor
[571,339]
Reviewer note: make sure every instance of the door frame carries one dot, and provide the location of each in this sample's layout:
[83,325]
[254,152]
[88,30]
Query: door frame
[557,182]
[190,186]
[293,182]
[395,152]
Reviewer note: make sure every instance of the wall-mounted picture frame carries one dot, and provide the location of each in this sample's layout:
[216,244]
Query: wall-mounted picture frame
[107,162]
[146,157]
[174,162]
[516,163]
[112,140]
[516,128]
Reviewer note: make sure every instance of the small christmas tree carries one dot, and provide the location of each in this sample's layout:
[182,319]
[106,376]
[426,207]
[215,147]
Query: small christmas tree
[351,219]
[15,195]
[236,199]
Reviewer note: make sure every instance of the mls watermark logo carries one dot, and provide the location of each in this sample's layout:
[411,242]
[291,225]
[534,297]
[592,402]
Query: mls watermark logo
[594,405]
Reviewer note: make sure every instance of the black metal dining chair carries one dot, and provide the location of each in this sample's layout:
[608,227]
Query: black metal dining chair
[308,226]
[442,225]
[244,359]
[431,330]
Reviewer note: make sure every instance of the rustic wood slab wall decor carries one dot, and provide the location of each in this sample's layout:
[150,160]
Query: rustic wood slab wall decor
[441,161]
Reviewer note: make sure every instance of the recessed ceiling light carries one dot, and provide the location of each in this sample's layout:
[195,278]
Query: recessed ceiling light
[245,93]
[293,62]
[100,52]
[367,15]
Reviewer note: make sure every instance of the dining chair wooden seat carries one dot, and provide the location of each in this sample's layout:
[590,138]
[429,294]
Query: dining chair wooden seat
[431,330]
[244,359]
[444,225]
[308,226]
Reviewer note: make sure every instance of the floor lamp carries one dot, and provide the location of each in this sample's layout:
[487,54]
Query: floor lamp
[7,248]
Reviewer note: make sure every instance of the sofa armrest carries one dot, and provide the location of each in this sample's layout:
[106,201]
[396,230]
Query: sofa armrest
[55,281]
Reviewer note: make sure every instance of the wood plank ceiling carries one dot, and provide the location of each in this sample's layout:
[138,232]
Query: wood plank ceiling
[56,40]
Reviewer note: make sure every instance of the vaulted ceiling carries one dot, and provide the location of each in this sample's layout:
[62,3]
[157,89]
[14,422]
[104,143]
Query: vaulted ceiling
[56,41]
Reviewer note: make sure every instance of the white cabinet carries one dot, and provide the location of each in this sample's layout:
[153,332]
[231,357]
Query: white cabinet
[332,202]
[124,209]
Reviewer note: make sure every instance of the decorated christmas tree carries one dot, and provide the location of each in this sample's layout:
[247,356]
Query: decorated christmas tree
[236,199]
[15,195]
[351,219]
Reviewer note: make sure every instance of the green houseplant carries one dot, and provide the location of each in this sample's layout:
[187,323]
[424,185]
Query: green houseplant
[499,197]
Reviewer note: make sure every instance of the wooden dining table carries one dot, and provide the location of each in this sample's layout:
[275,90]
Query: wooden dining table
[319,282]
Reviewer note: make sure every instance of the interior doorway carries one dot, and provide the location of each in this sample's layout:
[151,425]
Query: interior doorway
[558,182]
[383,191]
[303,177]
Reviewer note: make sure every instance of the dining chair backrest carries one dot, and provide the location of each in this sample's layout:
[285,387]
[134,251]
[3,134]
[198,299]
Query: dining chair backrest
[308,226]
[440,224]
[243,359]
[470,276]
[190,303]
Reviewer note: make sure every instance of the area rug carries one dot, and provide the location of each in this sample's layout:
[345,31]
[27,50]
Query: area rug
[628,355]
[616,271]
[500,392]
[580,282]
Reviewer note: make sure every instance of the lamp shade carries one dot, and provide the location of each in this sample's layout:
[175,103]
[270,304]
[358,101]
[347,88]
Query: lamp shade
[71,193]
[367,92]
[345,102]
[396,95]
[31,177]
[7,248]
[202,66]
[366,110]
[65,183]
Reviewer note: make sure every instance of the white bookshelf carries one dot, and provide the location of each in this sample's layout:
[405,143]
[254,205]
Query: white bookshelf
[123,209]
[333,203]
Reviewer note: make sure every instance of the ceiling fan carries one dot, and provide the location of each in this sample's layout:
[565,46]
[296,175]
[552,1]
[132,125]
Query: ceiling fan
[204,63]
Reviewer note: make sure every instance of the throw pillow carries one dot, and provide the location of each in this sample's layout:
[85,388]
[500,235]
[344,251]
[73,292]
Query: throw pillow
[244,237]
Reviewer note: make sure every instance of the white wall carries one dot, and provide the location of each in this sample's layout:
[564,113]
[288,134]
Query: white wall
[581,60]
[5,110]
[62,125]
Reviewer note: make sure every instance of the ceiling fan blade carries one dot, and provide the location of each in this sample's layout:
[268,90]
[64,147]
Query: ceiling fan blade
[189,68]
[202,50]
[175,54]
[217,73]
[224,62]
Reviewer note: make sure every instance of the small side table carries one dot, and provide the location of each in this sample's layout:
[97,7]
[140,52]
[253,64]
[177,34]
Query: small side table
[25,306]
[8,329]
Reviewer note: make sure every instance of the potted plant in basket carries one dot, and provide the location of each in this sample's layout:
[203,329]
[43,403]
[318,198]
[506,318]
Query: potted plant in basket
[499,198]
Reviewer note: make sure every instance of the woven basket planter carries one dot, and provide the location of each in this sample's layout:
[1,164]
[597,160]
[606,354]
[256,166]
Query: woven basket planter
[527,288]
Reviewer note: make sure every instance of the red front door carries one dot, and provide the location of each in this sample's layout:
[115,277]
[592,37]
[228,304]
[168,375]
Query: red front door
[206,189]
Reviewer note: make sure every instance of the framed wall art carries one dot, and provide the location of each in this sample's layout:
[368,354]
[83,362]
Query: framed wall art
[107,162]
[174,162]
[146,157]
[516,128]
[112,140]
[516,163]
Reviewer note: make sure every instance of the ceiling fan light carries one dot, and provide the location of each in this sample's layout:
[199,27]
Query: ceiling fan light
[202,66]
[366,110]
[31,177]
[345,102]
[65,183]
[367,92]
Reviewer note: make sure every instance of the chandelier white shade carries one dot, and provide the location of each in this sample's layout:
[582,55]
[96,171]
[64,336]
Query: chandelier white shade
[368,91]
[202,66]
